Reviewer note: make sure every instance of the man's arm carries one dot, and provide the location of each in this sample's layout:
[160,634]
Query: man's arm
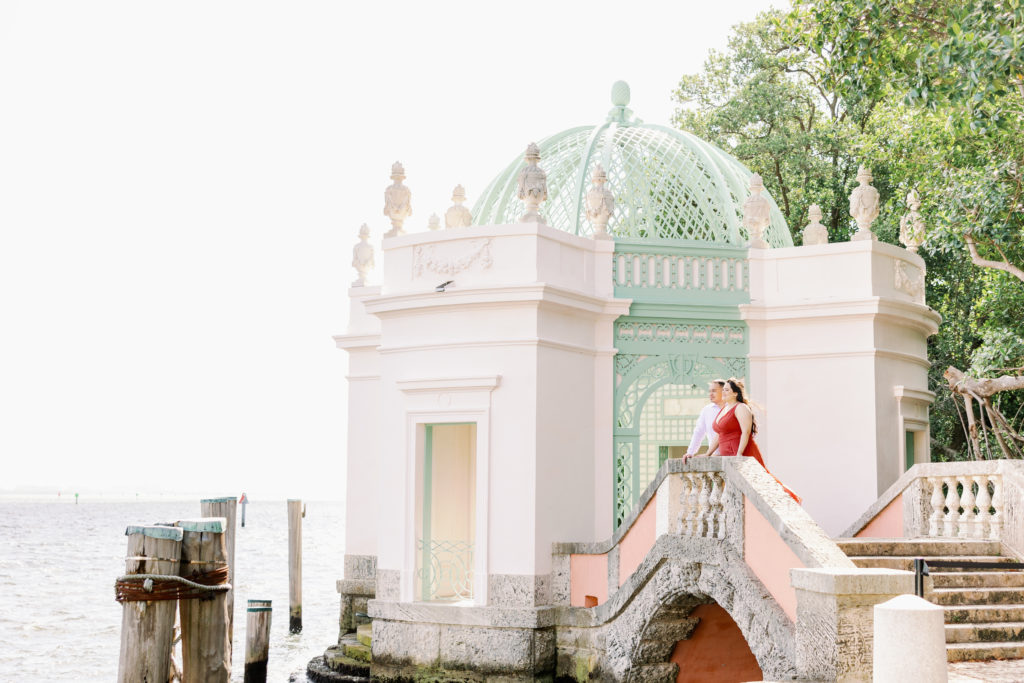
[699,431]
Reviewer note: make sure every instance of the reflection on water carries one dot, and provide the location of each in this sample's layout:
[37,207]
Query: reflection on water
[58,562]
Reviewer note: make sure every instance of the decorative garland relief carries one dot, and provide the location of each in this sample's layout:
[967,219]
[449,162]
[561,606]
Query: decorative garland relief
[440,259]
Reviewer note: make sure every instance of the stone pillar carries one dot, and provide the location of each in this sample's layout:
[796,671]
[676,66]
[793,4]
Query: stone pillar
[834,620]
[911,637]
[356,589]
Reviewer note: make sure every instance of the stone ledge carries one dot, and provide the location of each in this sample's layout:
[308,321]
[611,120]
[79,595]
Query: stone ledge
[537,617]
[842,581]
[795,527]
[367,587]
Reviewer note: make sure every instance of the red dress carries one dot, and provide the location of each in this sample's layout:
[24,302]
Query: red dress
[729,435]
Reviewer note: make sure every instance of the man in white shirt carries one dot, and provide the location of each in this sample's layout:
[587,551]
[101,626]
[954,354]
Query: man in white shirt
[706,420]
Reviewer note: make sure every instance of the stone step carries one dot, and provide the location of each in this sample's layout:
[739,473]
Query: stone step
[977,596]
[318,671]
[980,614]
[358,651]
[339,662]
[364,633]
[966,652]
[933,547]
[985,632]
[970,579]
[907,563]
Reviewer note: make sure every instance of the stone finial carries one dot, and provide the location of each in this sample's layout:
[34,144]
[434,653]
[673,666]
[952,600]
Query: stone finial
[397,201]
[600,203]
[362,256]
[912,225]
[757,213]
[533,185]
[434,222]
[458,216]
[815,232]
[864,205]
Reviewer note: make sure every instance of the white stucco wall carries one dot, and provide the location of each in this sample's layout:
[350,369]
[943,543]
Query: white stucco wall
[832,335]
[520,343]
[360,341]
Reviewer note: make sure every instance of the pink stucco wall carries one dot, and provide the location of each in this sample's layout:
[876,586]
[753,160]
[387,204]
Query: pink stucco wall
[588,575]
[638,540]
[888,523]
[769,558]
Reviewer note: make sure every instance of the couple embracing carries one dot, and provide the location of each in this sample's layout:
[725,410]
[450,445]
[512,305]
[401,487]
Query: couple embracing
[730,425]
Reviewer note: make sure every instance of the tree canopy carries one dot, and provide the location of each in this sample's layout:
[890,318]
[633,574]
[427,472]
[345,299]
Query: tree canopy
[930,95]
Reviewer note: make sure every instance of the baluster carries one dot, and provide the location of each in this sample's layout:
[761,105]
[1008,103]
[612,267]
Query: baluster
[684,503]
[969,519]
[936,517]
[984,502]
[702,505]
[690,513]
[952,508]
[997,505]
[715,505]
[721,507]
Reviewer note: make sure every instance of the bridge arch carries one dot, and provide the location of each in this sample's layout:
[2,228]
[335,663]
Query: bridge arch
[640,640]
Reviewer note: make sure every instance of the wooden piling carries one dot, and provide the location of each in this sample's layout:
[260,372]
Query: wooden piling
[205,646]
[257,641]
[147,627]
[226,508]
[294,566]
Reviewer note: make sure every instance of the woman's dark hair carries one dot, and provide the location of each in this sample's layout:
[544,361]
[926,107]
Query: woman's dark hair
[737,386]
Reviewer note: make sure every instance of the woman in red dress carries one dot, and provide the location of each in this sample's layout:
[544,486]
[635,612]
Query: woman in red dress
[736,427]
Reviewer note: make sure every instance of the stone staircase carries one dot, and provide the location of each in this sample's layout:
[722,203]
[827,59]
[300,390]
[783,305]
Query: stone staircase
[346,662]
[984,608]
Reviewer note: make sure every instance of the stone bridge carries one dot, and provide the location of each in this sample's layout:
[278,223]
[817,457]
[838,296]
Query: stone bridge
[716,532]
[715,542]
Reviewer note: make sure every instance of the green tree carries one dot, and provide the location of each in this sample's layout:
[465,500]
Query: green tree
[929,95]
[765,99]
[958,69]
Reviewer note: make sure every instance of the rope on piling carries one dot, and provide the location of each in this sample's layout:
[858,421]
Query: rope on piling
[150,587]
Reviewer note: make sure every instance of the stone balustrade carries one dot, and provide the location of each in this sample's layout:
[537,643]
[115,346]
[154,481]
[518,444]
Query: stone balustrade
[965,506]
[703,514]
[968,500]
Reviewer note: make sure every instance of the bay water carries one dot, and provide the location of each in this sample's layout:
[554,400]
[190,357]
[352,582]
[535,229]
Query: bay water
[59,560]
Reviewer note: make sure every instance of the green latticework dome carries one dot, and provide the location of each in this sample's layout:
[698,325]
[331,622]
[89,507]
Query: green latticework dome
[667,183]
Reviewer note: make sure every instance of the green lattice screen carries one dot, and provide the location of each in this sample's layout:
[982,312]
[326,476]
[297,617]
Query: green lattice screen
[668,419]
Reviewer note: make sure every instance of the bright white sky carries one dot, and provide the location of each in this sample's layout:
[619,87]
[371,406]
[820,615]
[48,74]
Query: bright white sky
[181,185]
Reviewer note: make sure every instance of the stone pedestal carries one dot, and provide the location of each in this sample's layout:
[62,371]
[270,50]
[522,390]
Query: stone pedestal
[356,590]
[834,620]
[910,633]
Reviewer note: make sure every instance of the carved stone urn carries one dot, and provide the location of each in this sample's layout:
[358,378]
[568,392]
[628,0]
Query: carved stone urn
[757,213]
[864,205]
[397,201]
[362,256]
[458,216]
[815,232]
[533,185]
[600,204]
[912,225]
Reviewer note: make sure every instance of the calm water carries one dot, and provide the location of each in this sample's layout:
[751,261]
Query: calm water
[58,562]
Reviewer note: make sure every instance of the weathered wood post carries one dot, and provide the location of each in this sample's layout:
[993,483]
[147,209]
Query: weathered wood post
[294,565]
[226,508]
[243,501]
[205,646]
[147,626]
[257,641]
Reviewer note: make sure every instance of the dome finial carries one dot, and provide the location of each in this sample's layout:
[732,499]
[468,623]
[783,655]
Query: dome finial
[620,94]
